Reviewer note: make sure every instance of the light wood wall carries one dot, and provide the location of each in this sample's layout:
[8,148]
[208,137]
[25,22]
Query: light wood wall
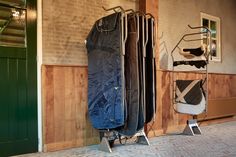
[221,94]
[65,114]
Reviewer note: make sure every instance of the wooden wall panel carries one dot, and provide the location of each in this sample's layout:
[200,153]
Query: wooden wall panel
[222,86]
[66,122]
[222,98]
[65,116]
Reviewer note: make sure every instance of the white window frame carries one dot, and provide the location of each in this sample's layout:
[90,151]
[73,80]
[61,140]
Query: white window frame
[218,57]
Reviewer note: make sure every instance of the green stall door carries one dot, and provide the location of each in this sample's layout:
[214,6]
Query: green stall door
[18,84]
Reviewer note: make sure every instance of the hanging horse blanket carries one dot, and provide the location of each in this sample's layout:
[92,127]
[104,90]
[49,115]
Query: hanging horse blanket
[105,102]
[150,76]
[131,79]
[189,97]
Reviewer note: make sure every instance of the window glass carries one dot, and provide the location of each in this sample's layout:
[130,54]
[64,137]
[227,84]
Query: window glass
[12,27]
[18,3]
[213,23]
[214,48]
[205,22]
[213,29]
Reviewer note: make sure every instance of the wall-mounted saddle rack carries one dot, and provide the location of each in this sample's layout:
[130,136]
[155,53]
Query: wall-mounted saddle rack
[184,90]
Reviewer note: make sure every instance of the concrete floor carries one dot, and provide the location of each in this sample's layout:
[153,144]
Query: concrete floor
[216,141]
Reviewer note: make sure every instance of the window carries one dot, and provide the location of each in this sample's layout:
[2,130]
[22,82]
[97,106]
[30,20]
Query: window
[213,23]
[15,3]
[12,27]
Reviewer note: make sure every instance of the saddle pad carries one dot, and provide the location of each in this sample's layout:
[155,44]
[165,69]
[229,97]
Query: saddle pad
[191,109]
[189,91]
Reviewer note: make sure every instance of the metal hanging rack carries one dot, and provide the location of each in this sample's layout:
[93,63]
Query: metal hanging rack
[207,32]
[110,135]
[192,126]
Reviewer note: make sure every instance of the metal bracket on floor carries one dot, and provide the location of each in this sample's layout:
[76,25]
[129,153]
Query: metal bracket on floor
[107,140]
[192,128]
[142,138]
[104,145]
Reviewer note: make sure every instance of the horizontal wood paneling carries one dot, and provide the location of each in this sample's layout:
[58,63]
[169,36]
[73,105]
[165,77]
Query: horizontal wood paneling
[222,96]
[221,90]
[65,116]
[222,86]
[219,108]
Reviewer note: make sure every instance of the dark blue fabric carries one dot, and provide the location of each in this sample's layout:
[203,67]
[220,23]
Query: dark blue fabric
[131,79]
[150,76]
[105,102]
[141,79]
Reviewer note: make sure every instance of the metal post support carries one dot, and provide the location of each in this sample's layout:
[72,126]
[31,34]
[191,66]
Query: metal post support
[107,140]
[192,128]
[104,145]
[142,138]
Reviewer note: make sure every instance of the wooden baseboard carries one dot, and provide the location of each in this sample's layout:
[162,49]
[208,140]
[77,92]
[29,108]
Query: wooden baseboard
[69,144]
[171,129]
[180,128]
[217,121]
[218,108]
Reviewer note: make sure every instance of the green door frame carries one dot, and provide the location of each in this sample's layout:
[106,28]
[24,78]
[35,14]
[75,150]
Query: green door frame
[32,53]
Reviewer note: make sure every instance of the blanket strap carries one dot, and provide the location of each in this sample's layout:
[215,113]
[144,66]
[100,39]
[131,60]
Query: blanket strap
[185,91]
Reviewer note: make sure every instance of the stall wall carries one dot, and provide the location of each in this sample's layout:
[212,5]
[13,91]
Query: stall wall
[65,27]
[64,71]
[173,18]
[221,102]
[175,15]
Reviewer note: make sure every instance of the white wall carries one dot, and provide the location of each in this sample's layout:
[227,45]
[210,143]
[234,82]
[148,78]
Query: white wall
[39,76]
[175,15]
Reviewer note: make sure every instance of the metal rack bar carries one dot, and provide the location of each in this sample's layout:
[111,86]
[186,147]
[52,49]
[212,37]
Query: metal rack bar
[192,127]
[111,135]
[114,8]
